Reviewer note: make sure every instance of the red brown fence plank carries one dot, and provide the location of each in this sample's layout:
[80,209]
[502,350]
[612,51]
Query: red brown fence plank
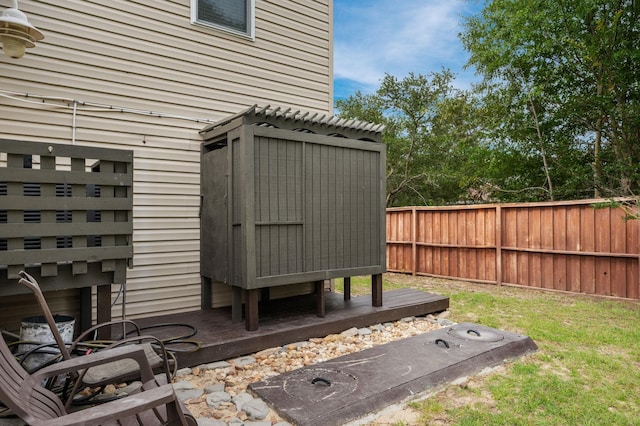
[633,271]
[546,243]
[567,246]
[567,239]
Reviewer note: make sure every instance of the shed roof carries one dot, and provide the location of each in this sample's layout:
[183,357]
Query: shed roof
[273,116]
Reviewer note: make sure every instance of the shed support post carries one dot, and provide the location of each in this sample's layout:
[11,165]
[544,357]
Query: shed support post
[85,308]
[347,288]
[236,304]
[205,293]
[320,298]
[103,313]
[251,309]
[376,290]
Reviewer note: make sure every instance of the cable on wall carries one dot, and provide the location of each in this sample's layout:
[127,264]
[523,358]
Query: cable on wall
[91,106]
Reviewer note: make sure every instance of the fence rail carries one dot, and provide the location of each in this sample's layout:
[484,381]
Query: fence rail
[568,246]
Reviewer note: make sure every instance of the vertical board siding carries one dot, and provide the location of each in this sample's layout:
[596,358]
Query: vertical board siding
[566,246]
[237,210]
[278,206]
[339,181]
[146,56]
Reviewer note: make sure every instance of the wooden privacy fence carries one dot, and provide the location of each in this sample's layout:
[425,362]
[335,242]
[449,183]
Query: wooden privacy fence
[568,246]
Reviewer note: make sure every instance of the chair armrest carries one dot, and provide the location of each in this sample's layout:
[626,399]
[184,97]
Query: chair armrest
[97,358]
[127,406]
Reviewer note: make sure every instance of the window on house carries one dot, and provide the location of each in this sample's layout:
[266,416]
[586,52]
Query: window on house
[235,16]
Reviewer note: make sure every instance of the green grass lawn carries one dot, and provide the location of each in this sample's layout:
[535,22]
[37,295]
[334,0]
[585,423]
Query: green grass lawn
[586,372]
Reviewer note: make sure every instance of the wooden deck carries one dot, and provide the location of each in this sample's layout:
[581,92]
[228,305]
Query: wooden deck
[290,320]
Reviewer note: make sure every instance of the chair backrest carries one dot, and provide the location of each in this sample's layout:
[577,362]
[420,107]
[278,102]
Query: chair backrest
[31,283]
[29,401]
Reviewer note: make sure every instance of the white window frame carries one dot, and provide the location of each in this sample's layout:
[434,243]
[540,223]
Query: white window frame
[251,20]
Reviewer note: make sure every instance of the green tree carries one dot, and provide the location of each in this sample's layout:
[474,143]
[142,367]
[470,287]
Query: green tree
[426,134]
[561,78]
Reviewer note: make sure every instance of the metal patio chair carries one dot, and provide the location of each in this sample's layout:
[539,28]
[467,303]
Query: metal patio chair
[24,394]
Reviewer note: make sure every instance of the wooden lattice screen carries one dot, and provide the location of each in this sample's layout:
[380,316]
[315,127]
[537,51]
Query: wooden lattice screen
[65,215]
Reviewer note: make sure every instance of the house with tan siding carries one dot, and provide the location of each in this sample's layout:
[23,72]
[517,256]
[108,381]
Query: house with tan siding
[148,76]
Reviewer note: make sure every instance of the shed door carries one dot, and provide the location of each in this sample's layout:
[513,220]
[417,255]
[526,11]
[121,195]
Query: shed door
[278,206]
[342,207]
[317,207]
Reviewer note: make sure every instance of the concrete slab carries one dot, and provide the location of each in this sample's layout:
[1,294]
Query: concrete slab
[344,389]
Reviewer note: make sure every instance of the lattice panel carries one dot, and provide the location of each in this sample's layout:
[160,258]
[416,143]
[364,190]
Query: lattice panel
[64,205]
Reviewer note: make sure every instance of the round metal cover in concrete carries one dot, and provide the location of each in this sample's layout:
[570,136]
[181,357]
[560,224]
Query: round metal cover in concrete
[319,384]
[476,333]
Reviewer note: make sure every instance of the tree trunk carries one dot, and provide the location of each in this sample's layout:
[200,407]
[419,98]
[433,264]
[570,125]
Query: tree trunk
[545,164]
[597,161]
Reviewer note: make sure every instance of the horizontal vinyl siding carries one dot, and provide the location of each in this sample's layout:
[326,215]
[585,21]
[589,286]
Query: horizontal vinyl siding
[143,45]
[147,56]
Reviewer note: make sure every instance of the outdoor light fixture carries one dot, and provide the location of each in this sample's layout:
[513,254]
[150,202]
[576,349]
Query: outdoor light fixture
[16,33]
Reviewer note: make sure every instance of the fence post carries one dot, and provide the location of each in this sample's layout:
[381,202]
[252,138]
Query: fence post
[498,225]
[414,246]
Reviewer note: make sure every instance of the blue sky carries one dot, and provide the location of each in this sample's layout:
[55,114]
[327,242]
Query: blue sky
[374,37]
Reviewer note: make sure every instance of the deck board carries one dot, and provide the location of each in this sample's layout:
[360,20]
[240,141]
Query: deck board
[290,320]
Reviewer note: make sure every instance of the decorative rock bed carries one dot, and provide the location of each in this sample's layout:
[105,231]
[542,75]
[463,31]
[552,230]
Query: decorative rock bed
[216,393]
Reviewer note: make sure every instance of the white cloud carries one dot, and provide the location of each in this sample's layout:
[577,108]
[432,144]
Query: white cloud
[396,36]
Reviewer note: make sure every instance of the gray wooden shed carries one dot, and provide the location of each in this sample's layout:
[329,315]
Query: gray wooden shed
[290,197]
